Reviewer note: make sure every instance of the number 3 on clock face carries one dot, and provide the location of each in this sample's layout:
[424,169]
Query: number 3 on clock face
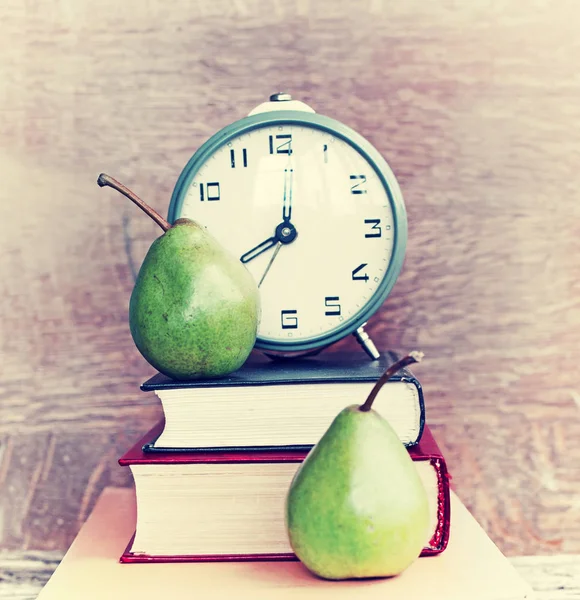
[313,211]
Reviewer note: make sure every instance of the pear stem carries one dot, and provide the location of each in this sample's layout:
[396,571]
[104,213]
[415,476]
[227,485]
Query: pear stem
[412,357]
[107,180]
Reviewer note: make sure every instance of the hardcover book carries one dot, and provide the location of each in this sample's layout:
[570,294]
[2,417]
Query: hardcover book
[281,404]
[471,568]
[221,506]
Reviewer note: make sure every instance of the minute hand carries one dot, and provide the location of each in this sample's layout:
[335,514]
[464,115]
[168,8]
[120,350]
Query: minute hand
[287,204]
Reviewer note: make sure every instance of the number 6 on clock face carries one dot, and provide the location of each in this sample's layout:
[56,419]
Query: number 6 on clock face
[312,210]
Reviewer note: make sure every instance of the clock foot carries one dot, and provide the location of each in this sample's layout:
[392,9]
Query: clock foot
[362,337]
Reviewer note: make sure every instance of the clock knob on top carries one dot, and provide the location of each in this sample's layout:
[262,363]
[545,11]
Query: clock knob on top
[281,101]
[280,97]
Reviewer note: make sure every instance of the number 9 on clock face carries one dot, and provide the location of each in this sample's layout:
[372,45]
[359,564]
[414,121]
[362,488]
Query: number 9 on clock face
[314,213]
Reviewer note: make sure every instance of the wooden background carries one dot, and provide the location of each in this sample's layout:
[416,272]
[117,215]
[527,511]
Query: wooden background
[476,106]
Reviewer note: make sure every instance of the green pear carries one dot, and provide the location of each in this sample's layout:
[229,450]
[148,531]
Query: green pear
[357,507]
[195,308]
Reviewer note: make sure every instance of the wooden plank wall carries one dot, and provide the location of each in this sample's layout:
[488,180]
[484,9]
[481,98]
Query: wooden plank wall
[476,105]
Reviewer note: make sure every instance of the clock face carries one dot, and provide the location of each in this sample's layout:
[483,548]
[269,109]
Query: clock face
[310,217]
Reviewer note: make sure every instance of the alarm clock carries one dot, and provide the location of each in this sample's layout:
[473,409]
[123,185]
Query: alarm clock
[313,211]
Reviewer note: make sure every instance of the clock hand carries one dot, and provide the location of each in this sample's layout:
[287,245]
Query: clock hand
[261,247]
[287,203]
[285,231]
[278,246]
[284,234]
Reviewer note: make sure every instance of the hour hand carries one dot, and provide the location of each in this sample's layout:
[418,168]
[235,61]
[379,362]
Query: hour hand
[262,247]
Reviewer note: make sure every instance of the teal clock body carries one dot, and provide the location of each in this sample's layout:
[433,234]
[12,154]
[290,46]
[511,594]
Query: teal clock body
[312,209]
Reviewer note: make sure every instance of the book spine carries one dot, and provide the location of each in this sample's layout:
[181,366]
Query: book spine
[440,537]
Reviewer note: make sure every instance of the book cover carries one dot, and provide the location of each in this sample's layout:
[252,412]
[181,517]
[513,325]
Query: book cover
[427,456]
[281,404]
[260,370]
[471,567]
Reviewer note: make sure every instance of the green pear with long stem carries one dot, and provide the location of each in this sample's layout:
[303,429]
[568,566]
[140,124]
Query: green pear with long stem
[195,308]
[357,507]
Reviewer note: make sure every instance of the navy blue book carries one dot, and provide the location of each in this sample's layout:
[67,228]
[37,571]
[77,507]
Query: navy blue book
[281,404]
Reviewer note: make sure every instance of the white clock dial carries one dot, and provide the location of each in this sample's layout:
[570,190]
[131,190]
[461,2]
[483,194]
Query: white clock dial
[304,179]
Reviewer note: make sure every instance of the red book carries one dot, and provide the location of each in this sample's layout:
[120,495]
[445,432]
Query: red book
[229,505]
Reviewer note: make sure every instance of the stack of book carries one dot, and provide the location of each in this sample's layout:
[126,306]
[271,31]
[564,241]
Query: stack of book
[206,518]
[211,479]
